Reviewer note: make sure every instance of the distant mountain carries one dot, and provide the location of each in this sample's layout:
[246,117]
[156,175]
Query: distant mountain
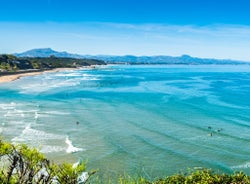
[184,59]
[130,59]
[46,52]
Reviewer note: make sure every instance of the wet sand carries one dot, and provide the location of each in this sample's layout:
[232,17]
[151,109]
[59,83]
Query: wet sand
[9,78]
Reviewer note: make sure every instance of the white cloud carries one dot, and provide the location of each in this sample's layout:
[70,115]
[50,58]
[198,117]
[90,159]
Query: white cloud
[213,41]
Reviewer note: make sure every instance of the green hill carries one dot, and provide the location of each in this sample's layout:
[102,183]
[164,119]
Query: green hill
[11,63]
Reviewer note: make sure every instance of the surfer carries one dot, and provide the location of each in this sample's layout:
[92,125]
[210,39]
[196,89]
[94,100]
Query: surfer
[220,129]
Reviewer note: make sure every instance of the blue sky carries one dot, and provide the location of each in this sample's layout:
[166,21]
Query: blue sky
[202,28]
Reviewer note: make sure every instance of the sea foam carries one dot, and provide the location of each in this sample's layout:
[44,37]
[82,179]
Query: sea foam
[9,106]
[40,139]
[242,166]
[71,148]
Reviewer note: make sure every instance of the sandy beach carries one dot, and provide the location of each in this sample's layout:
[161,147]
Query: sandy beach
[9,78]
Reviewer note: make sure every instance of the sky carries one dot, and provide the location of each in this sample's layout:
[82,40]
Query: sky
[200,28]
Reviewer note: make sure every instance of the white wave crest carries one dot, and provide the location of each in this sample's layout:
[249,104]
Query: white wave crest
[52,149]
[30,133]
[242,166]
[8,106]
[47,142]
[71,148]
[36,115]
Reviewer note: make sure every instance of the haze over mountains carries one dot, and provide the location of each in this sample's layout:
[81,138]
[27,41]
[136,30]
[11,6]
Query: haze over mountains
[129,59]
[46,52]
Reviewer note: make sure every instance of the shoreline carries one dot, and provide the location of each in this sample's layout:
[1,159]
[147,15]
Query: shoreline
[13,77]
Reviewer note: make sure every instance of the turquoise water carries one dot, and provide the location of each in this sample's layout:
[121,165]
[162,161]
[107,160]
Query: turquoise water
[154,119]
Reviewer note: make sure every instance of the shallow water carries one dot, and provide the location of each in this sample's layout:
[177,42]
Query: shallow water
[150,119]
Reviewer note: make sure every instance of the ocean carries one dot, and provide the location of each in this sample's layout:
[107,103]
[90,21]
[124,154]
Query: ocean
[154,120]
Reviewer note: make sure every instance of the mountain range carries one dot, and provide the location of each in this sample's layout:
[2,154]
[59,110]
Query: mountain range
[129,59]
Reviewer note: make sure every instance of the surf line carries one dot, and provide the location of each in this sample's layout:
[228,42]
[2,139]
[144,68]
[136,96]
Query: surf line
[71,148]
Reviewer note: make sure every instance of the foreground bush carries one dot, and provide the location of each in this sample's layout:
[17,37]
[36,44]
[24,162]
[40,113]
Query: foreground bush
[204,176]
[23,165]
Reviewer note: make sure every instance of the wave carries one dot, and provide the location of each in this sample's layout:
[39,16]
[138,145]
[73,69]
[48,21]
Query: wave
[68,74]
[14,112]
[238,121]
[36,115]
[47,142]
[52,149]
[71,148]
[182,91]
[214,100]
[55,113]
[242,166]
[28,134]
[8,106]
[181,154]
[47,85]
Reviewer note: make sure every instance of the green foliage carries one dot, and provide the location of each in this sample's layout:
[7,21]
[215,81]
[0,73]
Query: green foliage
[66,173]
[36,65]
[5,148]
[131,180]
[205,176]
[31,156]
[23,165]
[12,63]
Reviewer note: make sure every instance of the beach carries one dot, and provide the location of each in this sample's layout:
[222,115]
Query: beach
[9,78]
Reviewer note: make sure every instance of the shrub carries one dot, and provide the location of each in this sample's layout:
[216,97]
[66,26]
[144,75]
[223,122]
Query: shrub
[23,165]
[205,176]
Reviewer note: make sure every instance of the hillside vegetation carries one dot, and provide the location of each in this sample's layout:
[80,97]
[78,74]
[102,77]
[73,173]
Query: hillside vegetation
[11,63]
[23,165]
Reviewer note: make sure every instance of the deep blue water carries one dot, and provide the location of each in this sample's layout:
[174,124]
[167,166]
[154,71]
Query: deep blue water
[150,119]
